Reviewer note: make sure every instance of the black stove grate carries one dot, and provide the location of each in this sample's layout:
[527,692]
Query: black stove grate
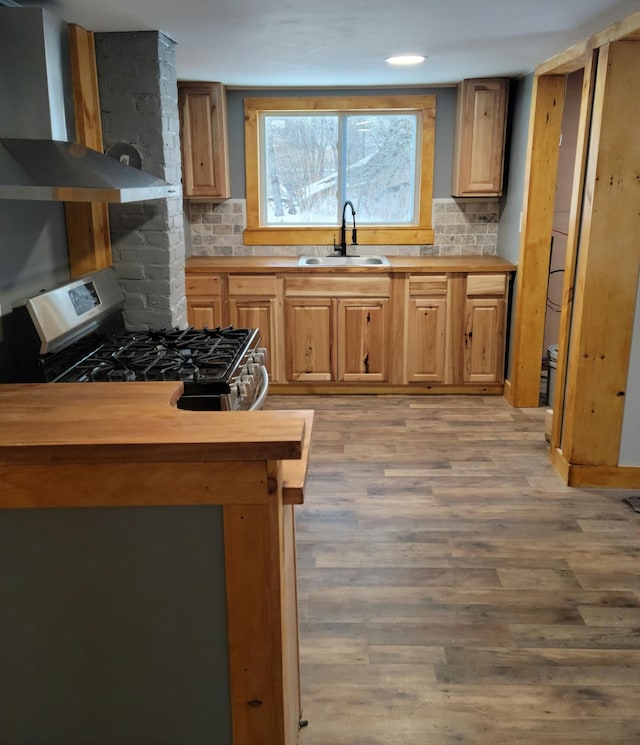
[203,358]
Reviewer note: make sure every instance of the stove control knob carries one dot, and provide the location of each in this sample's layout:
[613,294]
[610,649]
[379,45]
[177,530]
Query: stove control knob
[259,356]
[244,389]
[253,369]
[246,385]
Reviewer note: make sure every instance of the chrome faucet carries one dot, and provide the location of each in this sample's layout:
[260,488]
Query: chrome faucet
[342,247]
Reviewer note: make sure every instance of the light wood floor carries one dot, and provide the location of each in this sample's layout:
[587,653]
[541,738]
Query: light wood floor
[452,589]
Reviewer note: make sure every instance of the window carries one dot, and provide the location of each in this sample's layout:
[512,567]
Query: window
[306,156]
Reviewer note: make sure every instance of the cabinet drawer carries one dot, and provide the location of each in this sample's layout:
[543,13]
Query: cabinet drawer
[486,284]
[428,284]
[338,286]
[252,285]
[203,284]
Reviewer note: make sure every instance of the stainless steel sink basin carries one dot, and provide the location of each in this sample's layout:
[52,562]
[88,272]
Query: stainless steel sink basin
[324,261]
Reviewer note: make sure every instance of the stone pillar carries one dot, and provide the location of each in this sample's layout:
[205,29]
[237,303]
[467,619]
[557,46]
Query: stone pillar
[139,103]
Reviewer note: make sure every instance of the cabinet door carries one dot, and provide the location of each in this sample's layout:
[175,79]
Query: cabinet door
[205,170]
[202,311]
[484,340]
[310,339]
[258,313]
[479,137]
[362,340]
[204,300]
[426,327]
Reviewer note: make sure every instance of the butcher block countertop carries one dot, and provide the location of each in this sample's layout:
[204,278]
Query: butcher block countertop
[119,430]
[399,264]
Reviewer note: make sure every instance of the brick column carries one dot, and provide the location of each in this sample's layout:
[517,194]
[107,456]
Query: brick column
[139,106]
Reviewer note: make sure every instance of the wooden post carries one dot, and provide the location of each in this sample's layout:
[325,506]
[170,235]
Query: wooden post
[262,617]
[88,237]
[608,266]
[545,126]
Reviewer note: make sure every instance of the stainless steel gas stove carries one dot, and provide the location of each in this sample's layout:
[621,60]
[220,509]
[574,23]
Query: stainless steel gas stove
[76,333]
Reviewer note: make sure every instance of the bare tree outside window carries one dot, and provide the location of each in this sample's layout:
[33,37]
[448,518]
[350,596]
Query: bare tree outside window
[313,162]
[381,167]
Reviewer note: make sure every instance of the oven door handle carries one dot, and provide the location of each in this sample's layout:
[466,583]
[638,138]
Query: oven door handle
[261,398]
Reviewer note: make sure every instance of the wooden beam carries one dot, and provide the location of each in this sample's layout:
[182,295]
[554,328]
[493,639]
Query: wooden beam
[576,57]
[535,243]
[127,484]
[608,266]
[628,29]
[568,61]
[88,237]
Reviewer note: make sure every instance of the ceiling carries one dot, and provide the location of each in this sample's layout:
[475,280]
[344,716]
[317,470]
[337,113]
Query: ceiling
[325,43]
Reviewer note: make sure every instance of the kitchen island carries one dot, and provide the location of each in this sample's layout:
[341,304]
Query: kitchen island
[124,454]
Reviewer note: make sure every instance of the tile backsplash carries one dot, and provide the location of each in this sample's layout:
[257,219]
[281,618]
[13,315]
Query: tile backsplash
[462,227]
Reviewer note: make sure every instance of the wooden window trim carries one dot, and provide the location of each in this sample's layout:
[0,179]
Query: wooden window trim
[257,234]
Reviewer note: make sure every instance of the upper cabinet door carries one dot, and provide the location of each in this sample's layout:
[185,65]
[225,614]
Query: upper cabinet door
[203,136]
[478,158]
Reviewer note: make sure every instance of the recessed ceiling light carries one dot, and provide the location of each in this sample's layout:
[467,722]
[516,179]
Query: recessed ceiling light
[406,59]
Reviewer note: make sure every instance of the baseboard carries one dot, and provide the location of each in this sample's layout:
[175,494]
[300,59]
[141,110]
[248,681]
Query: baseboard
[295,389]
[508,392]
[606,477]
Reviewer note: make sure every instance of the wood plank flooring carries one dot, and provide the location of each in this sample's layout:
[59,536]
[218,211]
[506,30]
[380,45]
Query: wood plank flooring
[452,589]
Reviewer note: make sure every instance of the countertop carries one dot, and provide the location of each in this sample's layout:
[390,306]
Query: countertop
[399,264]
[126,444]
[135,422]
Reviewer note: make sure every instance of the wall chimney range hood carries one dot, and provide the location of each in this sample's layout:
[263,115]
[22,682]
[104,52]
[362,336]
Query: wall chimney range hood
[56,171]
[38,158]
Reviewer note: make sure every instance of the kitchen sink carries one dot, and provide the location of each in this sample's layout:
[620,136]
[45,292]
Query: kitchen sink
[323,261]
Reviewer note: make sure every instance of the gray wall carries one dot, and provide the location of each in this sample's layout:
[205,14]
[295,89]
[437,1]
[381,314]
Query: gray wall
[630,445]
[512,203]
[445,119]
[33,239]
[113,627]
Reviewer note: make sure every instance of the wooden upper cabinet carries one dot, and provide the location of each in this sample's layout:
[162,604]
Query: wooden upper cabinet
[478,156]
[203,136]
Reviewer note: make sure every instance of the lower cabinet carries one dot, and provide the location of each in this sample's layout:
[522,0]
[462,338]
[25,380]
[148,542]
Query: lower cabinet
[362,339]
[254,302]
[426,329]
[204,300]
[336,328]
[484,328]
[455,329]
[310,337]
[331,339]
[440,330]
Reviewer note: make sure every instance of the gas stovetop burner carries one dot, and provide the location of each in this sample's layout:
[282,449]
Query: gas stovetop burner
[195,356]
